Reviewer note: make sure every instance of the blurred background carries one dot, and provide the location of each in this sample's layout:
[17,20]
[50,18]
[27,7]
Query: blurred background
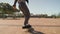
[38,8]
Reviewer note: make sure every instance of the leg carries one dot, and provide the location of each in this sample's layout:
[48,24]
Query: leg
[25,11]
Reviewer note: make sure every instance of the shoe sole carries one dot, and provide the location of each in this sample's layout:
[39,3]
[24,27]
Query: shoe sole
[26,27]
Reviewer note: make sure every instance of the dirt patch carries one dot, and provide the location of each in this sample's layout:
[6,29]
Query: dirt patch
[43,25]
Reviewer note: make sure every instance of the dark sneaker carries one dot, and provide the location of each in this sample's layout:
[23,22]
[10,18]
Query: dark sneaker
[26,26]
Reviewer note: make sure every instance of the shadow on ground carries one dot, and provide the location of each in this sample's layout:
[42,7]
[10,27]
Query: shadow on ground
[32,31]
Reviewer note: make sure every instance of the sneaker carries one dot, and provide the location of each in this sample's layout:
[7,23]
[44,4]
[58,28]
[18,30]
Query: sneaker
[26,26]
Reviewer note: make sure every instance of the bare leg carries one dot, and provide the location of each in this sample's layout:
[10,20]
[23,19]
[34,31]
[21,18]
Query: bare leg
[25,11]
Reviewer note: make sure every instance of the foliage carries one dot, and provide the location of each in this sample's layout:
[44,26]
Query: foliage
[58,15]
[7,8]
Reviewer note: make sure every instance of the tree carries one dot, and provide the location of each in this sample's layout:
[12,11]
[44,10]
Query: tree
[6,8]
[53,16]
[58,15]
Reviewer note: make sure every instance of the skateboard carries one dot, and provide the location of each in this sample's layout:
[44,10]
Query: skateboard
[29,29]
[32,31]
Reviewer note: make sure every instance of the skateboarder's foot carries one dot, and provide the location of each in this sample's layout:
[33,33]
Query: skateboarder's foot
[26,26]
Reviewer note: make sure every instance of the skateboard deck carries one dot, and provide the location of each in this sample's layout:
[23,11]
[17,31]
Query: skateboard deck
[32,31]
